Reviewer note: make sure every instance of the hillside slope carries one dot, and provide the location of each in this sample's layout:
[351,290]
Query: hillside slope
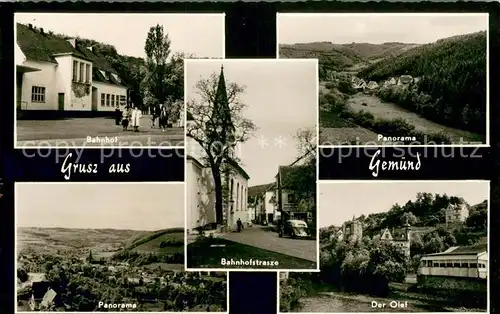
[162,246]
[338,57]
[453,84]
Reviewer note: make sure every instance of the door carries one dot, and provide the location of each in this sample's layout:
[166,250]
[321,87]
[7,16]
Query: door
[60,101]
[94,98]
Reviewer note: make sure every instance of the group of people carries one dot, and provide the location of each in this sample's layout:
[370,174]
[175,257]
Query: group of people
[159,113]
[129,116]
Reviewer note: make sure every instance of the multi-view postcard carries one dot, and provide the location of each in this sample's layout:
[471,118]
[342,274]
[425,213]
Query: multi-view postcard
[83,81]
[405,246]
[395,79]
[107,247]
[251,164]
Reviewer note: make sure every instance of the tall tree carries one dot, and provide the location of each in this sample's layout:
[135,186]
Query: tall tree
[216,123]
[157,50]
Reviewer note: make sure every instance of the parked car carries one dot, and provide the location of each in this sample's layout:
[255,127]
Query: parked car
[295,229]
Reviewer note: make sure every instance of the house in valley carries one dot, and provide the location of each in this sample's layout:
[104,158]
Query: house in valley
[398,237]
[405,80]
[456,213]
[61,75]
[372,85]
[390,82]
[359,85]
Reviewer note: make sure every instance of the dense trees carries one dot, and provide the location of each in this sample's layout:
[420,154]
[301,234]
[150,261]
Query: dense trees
[369,265]
[452,89]
[81,286]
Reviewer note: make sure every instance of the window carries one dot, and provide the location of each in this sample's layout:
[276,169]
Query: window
[103,100]
[87,73]
[449,264]
[473,265]
[107,100]
[465,265]
[117,101]
[75,71]
[435,265]
[291,198]
[442,265]
[81,72]
[37,94]
[112,100]
[457,265]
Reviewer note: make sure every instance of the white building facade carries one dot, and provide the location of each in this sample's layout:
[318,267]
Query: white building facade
[56,74]
[200,189]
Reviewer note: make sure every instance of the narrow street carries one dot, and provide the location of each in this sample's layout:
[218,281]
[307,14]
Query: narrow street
[260,237]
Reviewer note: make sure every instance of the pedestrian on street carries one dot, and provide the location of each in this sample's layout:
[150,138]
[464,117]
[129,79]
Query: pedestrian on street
[125,118]
[136,118]
[163,117]
[118,116]
[239,224]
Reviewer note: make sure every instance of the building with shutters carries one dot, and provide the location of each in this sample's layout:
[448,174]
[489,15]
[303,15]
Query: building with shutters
[61,75]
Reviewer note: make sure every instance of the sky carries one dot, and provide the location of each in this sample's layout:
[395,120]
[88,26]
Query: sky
[338,202]
[281,99]
[136,206]
[376,28]
[199,34]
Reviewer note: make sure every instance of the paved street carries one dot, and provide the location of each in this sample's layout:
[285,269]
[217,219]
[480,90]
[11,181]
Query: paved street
[259,237]
[74,132]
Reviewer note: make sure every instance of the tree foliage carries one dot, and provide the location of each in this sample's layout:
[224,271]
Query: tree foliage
[217,125]
[157,48]
[453,75]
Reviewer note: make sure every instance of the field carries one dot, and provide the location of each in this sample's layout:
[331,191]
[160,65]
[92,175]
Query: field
[85,266]
[51,240]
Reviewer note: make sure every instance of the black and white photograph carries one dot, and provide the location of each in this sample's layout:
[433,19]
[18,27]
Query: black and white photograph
[107,247]
[83,81]
[396,78]
[251,142]
[397,246]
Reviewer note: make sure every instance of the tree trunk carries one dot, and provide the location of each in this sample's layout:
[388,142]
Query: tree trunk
[218,195]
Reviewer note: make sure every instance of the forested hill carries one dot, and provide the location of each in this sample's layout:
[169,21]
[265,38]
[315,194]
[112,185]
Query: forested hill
[426,211]
[341,56]
[162,246]
[453,80]
[448,56]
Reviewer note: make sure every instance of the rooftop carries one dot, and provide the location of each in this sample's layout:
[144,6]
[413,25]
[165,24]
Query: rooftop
[40,45]
[236,165]
[464,250]
[259,189]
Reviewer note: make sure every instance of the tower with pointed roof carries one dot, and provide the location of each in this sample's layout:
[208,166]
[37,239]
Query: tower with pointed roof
[352,230]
